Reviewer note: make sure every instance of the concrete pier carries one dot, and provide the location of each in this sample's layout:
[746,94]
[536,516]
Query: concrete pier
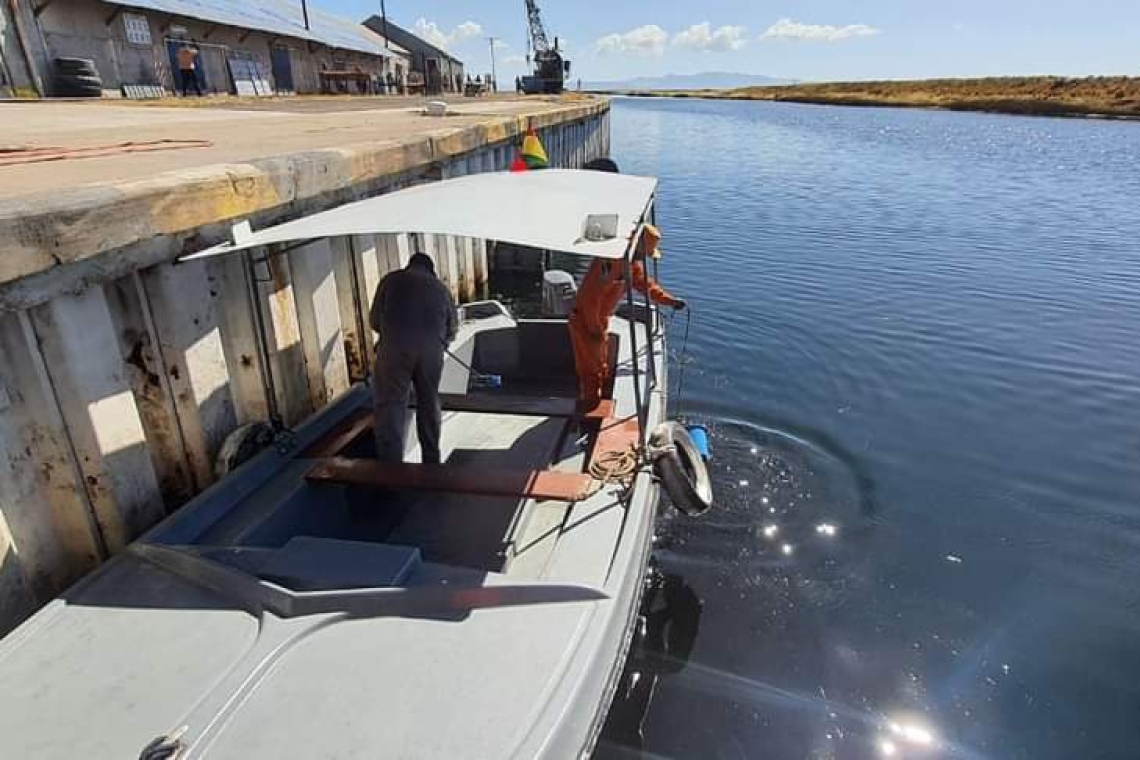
[121,374]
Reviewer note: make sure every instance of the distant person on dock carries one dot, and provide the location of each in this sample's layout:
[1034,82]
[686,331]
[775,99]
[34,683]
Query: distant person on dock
[188,68]
[415,316]
[602,290]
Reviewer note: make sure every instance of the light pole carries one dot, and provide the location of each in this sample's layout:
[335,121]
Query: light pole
[494,77]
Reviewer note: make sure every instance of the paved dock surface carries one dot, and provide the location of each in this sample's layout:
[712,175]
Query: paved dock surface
[238,130]
[288,155]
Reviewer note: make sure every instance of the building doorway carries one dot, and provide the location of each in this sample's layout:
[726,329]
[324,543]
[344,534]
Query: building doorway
[282,66]
[434,77]
[172,48]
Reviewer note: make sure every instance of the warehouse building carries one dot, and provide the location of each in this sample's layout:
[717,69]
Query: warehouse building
[247,47]
[432,68]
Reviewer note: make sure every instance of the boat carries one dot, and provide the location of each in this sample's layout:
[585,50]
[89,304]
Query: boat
[318,603]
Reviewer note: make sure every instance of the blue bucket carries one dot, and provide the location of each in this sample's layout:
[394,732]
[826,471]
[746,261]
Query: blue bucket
[700,436]
[487,381]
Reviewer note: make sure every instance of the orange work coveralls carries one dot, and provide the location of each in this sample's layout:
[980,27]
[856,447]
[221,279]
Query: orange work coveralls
[598,298]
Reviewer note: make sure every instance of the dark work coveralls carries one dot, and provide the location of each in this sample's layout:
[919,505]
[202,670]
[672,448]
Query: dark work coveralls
[415,316]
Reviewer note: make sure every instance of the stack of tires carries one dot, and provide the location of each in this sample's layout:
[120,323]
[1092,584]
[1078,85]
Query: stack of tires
[77,78]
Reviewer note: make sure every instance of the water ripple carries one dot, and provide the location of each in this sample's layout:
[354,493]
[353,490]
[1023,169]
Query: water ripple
[915,337]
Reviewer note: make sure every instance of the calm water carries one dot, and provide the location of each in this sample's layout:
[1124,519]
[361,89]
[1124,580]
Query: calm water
[916,336]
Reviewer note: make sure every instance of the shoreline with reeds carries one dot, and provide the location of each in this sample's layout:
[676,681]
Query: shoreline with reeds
[1090,97]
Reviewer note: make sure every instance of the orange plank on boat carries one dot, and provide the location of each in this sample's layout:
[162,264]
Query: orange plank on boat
[484,481]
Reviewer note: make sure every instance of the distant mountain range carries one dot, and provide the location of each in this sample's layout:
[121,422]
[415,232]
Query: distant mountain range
[710,80]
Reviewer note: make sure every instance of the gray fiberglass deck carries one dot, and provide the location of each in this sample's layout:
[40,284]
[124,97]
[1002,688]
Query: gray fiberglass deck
[278,616]
[318,603]
[476,531]
[481,532]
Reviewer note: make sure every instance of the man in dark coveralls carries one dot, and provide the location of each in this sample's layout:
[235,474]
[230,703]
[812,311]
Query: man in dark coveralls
[415,316]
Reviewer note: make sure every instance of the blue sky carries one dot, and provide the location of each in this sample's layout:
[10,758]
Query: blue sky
[814,39]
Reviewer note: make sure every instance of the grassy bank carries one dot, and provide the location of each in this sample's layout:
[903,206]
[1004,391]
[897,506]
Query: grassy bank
[1039,96]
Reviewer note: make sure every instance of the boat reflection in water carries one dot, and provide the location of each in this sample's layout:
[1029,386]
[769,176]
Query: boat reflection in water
[668,628]
[669,625]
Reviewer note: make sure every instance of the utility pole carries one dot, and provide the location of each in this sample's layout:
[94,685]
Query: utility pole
[305,13]
[384,20]
[494,77]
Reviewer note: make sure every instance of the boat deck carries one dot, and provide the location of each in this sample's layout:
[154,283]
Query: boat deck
[513,465]
[414,603]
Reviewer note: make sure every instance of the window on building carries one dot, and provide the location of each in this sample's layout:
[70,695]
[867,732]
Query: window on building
[138,29]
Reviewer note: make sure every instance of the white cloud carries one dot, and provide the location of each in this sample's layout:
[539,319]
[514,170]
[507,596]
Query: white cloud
[787,29]
[644,40]
[704,37]
[430,31]
[465,30]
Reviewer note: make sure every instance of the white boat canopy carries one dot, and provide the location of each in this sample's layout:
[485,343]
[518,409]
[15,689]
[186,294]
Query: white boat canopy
[589,213]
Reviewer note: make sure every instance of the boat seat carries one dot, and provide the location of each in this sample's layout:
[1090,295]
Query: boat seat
[551,485]
[307,563]
[340,437]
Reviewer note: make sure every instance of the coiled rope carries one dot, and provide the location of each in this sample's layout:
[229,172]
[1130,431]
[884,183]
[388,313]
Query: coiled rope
[615,466]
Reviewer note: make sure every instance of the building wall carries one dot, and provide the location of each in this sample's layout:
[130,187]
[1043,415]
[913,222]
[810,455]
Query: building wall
[23,58]
[419,51]
[9,46]
[448,67]
[91,29]
[78,28]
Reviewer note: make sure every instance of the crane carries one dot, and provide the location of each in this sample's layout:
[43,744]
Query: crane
[550,70]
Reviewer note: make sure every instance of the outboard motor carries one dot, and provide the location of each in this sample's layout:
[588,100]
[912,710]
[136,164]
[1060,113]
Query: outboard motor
[559,291]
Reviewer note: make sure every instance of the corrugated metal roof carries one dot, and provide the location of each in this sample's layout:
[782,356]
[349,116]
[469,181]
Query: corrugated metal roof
[281,17]
[402,36]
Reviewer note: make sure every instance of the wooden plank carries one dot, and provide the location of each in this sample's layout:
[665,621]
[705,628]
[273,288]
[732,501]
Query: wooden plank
[527,406]
[339,438]
[532,484]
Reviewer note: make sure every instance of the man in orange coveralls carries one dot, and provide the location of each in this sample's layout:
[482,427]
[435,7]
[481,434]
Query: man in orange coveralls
[598,298]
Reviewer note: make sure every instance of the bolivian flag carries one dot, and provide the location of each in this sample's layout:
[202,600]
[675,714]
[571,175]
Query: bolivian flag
[532,151]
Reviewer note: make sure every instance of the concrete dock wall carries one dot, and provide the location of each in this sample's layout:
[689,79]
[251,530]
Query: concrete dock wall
[122,373]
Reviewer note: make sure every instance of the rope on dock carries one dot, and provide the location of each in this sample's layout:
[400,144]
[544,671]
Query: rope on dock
[12,155]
